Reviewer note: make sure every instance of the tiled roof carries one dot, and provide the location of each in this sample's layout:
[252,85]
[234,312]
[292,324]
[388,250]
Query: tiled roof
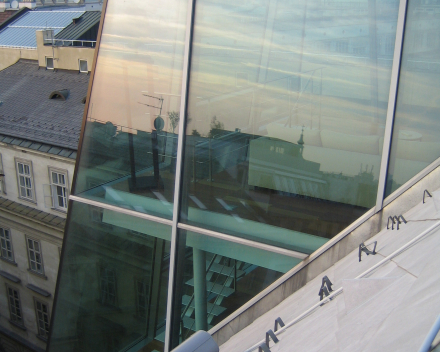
[76,30]
[21,32]
[26,112]
[30,212]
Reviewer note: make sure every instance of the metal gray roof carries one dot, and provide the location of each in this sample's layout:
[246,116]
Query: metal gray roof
[75,31]
[27,112]
[21,33]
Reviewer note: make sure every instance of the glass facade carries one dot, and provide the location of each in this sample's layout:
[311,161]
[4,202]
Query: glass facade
[130,162]
[112,293]
[225,142]
[416,131]
[287,108]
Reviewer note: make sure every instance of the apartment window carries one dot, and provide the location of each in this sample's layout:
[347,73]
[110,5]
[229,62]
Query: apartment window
[14,305]
[58,181]
[25,181]
[49,63]
[108,286]
[142,297]
[42,315]
[83,66]
[35,257]
[6,244]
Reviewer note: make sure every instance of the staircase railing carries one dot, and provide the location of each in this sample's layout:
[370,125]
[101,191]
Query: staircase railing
[192,296]
[210,291]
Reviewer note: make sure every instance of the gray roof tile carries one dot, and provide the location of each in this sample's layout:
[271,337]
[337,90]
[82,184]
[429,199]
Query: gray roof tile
[28,113]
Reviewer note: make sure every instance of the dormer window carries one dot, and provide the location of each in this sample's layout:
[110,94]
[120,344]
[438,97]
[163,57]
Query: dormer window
[49,63]
[83,66]
[59,94]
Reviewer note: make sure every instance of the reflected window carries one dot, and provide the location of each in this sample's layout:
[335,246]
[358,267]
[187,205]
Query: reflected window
[143,297]
[108,287]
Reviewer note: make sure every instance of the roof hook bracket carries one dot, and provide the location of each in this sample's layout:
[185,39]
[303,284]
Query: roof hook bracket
[264,347]
[326,288]
[425,192]
[280,322]
[363,248]
[392,223]
[398,218]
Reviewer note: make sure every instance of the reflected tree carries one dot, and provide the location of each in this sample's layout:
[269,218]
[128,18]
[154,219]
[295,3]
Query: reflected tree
[216,127]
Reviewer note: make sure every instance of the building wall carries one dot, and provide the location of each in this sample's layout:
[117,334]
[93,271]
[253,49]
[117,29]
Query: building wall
[9,56]
[64,57]
[21,227]
[40,170]
[51,241]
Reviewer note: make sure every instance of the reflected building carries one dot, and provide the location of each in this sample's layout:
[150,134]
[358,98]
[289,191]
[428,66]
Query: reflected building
[223,143]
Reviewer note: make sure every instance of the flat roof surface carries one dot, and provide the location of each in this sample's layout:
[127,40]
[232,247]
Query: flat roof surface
[391,309]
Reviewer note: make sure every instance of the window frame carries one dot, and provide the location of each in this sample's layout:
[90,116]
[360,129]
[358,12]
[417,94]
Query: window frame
[2,178]
[40,252]
[13,314]
[53,66]
[45,335]
[2,232]
[54,190]
[27,163]
[79,65]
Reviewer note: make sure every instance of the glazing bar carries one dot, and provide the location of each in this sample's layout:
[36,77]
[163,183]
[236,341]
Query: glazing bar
[177,187]
[243,241]
[121,210]
[395,72]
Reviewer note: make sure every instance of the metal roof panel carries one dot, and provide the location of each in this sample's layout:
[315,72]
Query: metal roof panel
[21,32]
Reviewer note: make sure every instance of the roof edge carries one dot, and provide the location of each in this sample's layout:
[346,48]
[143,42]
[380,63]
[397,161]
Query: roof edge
[15,16]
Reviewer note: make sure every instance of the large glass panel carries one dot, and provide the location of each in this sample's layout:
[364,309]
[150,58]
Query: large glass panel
[216,277]
[113,285]
[129,146]
[416,131]
[287,108]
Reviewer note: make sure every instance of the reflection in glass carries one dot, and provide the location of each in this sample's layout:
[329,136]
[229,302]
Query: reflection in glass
[214,278]
[130,141]
[287,108]
[416,131]
[113,284]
